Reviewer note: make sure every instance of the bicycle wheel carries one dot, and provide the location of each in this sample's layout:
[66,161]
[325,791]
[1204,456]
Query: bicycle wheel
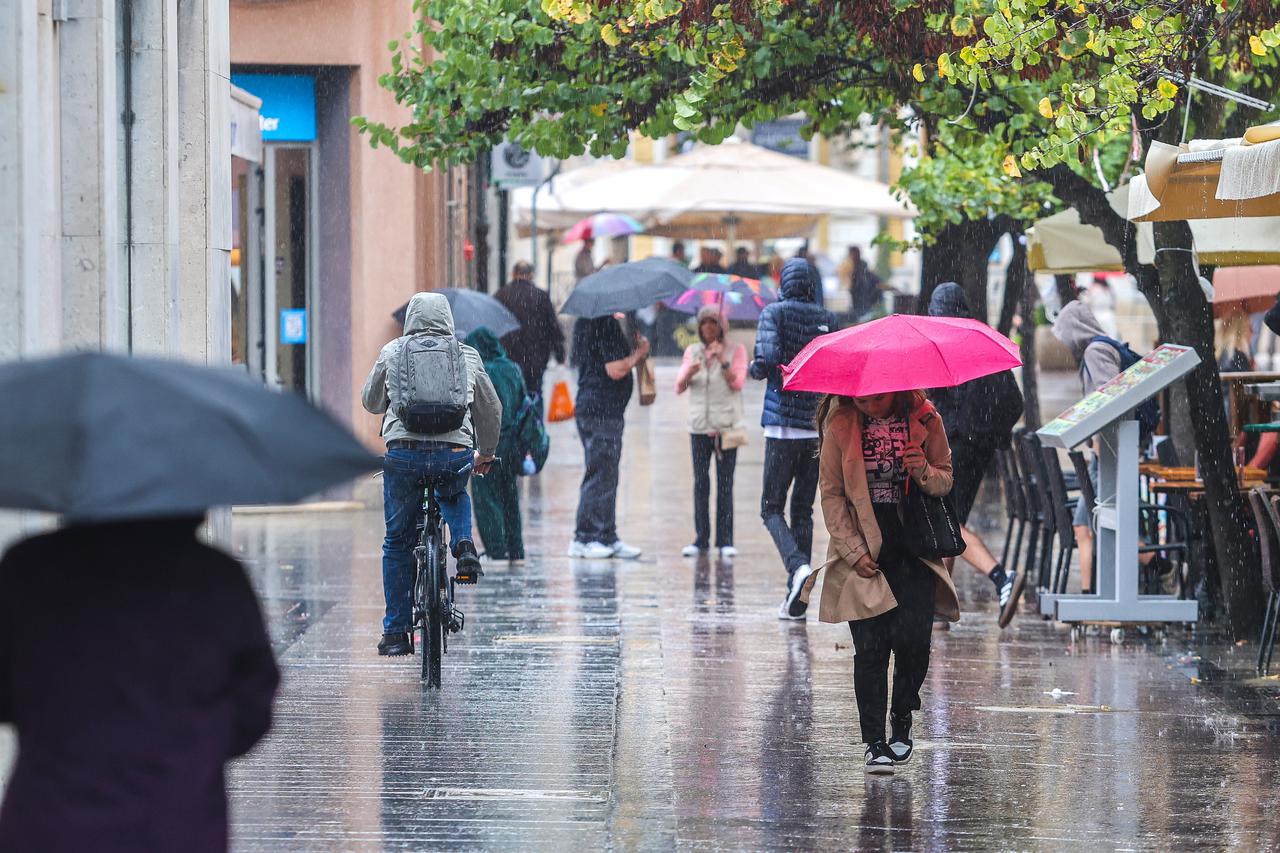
[433,626]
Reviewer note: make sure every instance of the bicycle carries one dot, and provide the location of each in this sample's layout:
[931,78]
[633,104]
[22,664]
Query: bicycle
[433,608]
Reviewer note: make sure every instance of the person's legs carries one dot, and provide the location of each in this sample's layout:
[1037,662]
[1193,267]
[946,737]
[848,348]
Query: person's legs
[911,634]
[401,499]
[803,492]
[703,447]
[1084,546]
[871,647]
[597,501]
[455,503]
[513,524]
[726,464]
[485,493]
[779,471]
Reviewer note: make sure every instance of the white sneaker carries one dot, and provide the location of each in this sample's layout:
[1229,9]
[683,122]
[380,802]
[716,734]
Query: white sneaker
[784,612]
[576,548]
[728,551]
[590,550]
[691,551]
[623,551]
[795,607]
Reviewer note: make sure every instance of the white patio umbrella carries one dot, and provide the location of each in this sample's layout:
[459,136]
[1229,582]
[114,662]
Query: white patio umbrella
[735,190]
[1210,178]
[1061,244]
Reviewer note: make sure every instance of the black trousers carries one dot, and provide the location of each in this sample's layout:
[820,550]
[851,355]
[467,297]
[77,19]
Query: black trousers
[906,631]
[704,448]
[790,465]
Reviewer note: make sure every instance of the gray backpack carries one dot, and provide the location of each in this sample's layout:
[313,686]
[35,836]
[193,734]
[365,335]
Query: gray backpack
[427,383]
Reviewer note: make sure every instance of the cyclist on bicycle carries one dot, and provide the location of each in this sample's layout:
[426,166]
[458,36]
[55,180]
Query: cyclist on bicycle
[428,381]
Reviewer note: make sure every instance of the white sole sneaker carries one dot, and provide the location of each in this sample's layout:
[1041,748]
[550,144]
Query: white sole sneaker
[622,551]
[784,612]
[794,587]
[590,550]
[728,552]
[691,551]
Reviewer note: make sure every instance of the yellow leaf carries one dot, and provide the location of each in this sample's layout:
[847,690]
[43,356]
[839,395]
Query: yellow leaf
[1138,23]
[918,73]
[1081,9]
[1046,108]
[1166,88]
[1256,47]
[598,110]
[1010,166]
[944,65]
[962,26]
[609,35]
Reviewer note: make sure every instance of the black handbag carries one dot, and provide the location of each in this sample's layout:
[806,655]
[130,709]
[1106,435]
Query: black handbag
[930,523]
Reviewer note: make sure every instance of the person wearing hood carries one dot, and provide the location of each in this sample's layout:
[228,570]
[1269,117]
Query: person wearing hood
[156,672]
[411,457]
[605,359]
[497,494]
[791,436]
[713,372]
[980,416]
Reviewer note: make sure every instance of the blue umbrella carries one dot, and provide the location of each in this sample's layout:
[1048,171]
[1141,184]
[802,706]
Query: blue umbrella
[472,310]
[620,288]
[102,437]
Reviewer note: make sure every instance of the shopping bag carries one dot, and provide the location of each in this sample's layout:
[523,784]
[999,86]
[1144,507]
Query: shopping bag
[647,382]
[561,407]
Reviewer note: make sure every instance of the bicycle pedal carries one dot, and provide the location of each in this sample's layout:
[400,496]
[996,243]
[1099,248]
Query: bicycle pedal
[457,619]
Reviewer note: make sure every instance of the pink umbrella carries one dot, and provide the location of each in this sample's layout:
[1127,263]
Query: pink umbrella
[901,352]
[604,225]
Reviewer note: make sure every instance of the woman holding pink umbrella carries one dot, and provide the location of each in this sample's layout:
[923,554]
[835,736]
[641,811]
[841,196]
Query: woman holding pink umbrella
[880,438]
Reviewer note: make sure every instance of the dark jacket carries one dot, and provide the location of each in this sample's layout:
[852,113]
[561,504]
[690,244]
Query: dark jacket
[985,409]
[539,336]
[134,663]
[1272,317]
[786,327]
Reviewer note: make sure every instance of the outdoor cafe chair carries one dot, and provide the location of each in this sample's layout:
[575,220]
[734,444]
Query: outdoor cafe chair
[1267,516]
[1041,556]
[1015,505]
[1063,511]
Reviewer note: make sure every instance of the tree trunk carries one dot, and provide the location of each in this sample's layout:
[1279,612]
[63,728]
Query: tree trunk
[1027,349]
[960,254]
[1185,317]
[1065,286]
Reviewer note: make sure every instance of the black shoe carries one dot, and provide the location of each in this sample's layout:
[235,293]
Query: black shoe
[793,607]
[878,759]
[468,562]
[900,745]
[396,645]
[1010,595]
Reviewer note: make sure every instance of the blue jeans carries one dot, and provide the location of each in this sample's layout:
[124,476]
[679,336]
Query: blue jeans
[402,474]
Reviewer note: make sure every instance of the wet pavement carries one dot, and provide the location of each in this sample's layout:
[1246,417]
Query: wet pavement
[661,704]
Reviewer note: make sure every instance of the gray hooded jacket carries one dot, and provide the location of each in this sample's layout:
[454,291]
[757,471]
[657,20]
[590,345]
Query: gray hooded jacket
[430,313]
[1076,327]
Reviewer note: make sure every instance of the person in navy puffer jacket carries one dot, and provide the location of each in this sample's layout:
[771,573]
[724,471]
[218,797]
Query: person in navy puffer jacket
[791,436]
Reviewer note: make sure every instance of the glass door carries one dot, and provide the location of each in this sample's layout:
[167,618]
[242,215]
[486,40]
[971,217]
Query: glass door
[289,303]
[247,338]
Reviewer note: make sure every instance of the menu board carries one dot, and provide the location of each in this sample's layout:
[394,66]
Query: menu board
[1115,399]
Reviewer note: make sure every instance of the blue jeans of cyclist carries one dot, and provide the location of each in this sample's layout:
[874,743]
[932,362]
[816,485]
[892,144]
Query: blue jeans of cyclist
[402,474]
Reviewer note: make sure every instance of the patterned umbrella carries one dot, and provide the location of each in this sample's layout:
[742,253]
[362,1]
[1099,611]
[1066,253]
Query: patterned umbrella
[604,225]
[740,298]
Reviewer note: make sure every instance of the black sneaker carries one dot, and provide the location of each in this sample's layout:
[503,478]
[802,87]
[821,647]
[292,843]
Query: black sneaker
[468,570]
[793,607]
[878,759]
[396,645]
[1010,595]
[900,738]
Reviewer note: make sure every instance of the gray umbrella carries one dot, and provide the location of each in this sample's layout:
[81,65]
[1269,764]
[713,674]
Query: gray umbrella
[472,310]
[104,437]
[627,287]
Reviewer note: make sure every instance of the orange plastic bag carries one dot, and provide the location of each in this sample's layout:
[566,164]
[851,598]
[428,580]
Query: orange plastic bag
[561,408]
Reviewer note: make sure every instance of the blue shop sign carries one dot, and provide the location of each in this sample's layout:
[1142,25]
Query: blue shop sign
[288,111]
[293,326]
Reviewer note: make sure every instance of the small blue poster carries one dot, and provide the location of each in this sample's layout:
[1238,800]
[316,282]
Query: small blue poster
[293,326]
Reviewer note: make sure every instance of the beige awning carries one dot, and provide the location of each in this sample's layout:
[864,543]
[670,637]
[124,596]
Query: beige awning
[1210,179]
[246,131]
[1061,244]
[730,190]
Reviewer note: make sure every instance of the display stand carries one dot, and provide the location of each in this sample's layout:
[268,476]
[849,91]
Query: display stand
[1108,414]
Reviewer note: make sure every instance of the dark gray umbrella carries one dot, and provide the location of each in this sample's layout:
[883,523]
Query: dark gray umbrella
[471,310]
[104,437]
[627,287]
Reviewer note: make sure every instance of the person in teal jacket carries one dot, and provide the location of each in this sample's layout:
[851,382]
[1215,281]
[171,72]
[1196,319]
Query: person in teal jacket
[496,495]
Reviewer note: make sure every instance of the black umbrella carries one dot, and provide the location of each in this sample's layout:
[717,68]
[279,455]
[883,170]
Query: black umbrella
[627,287]
[104,437]
[471,310]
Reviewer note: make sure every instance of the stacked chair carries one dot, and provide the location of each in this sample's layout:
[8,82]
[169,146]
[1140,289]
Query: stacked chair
[1267,519]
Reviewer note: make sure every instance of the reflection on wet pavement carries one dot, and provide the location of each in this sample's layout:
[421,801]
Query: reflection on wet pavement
[661,703]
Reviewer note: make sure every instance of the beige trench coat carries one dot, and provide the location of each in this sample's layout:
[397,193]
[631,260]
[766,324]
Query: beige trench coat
[851,519]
